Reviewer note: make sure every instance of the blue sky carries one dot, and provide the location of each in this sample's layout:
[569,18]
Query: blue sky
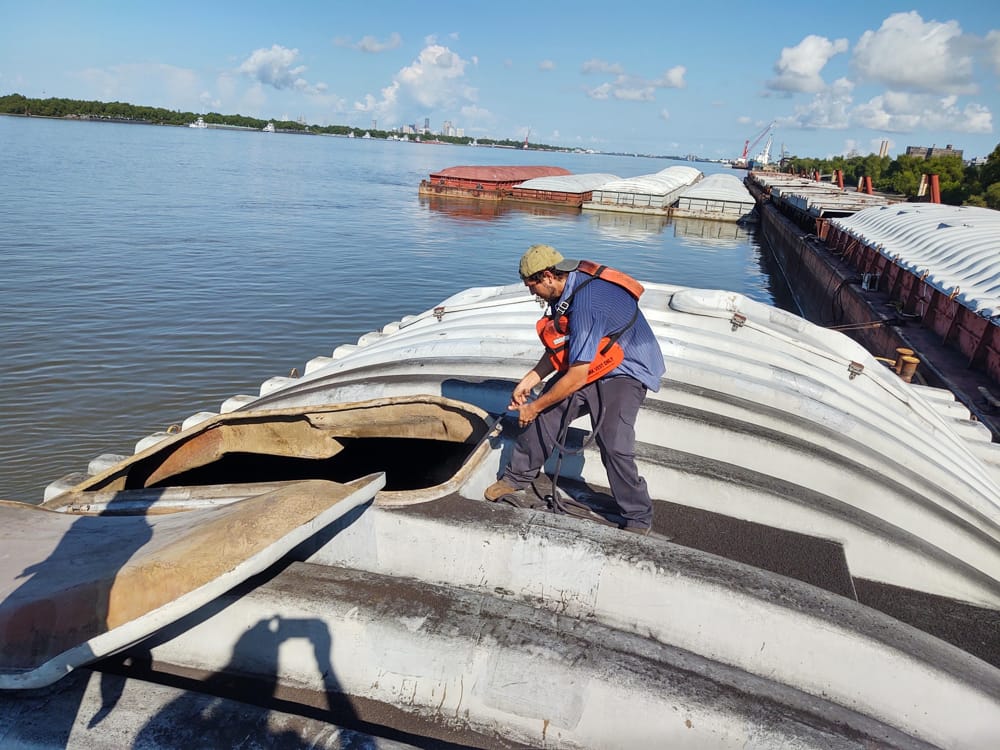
[649,77]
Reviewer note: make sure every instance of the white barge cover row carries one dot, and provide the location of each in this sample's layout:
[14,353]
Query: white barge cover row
[957,248]
[654,191]
[718,196]
[569,183]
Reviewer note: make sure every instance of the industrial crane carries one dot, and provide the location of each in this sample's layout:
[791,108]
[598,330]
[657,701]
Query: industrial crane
[764,157]
[749,145]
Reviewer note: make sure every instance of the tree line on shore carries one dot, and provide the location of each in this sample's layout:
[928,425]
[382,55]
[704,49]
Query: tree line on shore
[975,185]
[961,185]
[16,104]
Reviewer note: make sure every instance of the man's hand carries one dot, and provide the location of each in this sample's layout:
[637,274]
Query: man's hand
[568,383]
[522,391]
[527,413]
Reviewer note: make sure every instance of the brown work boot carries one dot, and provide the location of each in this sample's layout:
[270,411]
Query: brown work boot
[498,489]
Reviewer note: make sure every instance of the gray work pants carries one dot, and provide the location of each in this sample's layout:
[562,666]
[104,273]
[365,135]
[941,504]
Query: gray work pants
[620,398]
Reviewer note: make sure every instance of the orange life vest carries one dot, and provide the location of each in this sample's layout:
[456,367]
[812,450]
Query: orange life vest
[553,329]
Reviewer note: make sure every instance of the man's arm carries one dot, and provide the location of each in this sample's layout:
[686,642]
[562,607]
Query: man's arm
[536,375]
[569,383]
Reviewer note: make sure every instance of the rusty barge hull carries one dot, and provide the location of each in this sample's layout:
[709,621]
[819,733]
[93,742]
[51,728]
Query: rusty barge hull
[842,279]
[482,183]
[548,197]
[975,336]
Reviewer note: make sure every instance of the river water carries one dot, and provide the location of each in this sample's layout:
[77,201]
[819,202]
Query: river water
[152,272]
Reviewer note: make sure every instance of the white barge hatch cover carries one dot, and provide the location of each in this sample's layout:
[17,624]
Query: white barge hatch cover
[954,247]
[569,183]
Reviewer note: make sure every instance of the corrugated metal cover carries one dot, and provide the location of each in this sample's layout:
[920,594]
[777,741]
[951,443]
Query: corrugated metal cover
[685,175]
[499,174]
[958,247]
[574,183]
[720,187]
[817,198]
[659,183]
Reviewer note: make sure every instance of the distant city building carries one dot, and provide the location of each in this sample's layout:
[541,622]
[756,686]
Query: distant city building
[447,129]
[427,125]
[460,132]
[924,152]
[374,124]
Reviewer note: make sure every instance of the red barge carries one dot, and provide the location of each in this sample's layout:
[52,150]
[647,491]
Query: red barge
[482,183]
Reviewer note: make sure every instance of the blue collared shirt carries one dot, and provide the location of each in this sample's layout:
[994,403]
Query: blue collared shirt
[601,308]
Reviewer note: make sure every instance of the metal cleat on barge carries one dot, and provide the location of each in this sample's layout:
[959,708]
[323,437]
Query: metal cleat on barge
[823,569]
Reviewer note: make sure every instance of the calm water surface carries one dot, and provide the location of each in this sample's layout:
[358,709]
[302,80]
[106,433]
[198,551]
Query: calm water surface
[152,272]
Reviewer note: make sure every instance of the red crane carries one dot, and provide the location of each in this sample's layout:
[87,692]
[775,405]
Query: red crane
[748,146]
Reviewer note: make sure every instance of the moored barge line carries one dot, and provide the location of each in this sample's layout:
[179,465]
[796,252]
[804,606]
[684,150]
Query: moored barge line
[841,280]
[676,190]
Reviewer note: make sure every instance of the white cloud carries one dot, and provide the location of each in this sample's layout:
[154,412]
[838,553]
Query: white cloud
[474,114]
[636,89]
[175,88]
[370,43]
[209,102]
[905,112]
[798,68]
[664,115]
[744,120]
[600,92]
[601,66]
[547,65]
[829,110]
[435,80]
[253,100]
[368,104]
[630,89]
[993,49]
[672,79]
[889,112]
[277,67]
[909,54]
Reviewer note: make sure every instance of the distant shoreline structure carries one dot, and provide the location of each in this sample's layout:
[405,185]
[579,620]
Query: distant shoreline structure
[289,131]
[70,109]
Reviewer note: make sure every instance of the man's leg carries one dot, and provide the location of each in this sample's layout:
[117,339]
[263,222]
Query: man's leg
[621,398]
[535,443]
